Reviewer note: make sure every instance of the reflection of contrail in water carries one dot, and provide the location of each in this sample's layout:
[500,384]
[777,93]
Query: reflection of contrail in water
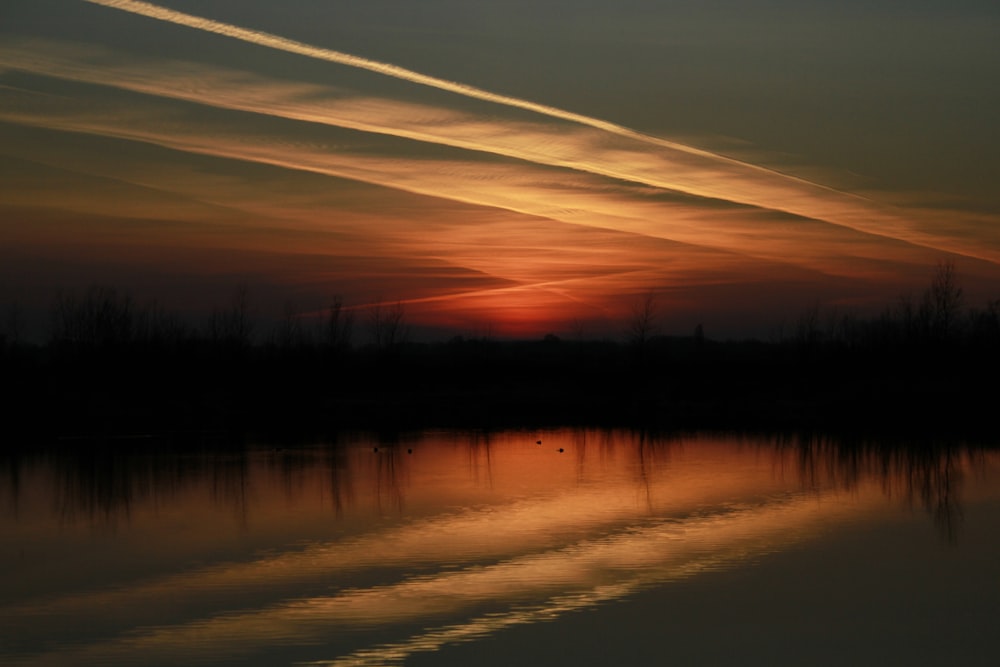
[522,526]
[265,39]
[484,626]
[528,588]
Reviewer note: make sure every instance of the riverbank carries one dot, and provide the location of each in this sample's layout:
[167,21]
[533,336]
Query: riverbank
[55,392]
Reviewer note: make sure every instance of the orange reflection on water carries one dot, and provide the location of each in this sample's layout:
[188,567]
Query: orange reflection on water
[461,535]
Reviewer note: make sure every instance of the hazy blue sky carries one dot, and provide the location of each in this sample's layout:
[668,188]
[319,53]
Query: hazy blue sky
[744,160]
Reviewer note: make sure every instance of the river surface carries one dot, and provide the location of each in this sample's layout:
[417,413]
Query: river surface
[564,547]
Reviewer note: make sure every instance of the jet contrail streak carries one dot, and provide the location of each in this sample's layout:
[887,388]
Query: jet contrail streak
[776,190]
[265,39]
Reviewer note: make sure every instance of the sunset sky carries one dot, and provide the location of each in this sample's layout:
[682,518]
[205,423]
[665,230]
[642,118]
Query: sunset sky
[512,168]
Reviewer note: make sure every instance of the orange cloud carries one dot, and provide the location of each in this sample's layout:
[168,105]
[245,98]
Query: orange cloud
[487,209]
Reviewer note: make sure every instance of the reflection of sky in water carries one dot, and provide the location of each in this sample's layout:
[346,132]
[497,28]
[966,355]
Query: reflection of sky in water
[378,555]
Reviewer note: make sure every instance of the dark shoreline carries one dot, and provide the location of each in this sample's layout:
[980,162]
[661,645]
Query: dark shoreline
[61,392]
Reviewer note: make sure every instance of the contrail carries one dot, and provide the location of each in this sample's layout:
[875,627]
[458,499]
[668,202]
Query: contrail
[269,40]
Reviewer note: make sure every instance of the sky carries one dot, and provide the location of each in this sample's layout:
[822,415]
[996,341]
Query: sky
[506,168]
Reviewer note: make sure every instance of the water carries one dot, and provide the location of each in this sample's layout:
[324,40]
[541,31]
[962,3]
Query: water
[458,548]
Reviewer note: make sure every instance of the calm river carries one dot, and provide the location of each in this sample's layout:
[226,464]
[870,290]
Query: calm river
[568,547]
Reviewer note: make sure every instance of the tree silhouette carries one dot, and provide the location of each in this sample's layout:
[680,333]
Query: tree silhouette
[288,332]
[642,324]
[338,327]
[388,324]
[103,316]
[943,301]
[234,325]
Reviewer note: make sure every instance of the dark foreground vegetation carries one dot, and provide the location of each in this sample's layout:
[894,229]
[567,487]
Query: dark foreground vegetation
[925,365]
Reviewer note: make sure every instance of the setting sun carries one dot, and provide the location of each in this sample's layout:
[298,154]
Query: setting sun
[229,151]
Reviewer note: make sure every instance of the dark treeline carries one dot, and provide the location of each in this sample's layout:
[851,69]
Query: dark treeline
[115,366]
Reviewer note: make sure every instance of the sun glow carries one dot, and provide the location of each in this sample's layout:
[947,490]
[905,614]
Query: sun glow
[476,209]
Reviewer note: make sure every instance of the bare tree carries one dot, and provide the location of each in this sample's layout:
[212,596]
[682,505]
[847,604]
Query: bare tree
[338,326]
[935,316]
[943,300]
[699,335]
[807,331]
[101,317]
[13,326]
[642,324]
[234,324]
[985,323]
[288,332]
[388,324]
[154,324]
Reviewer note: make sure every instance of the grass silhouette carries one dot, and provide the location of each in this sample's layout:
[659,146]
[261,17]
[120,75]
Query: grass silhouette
[113,365]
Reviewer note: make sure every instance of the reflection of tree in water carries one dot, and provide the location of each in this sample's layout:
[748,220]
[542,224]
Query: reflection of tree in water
[103,481]
[651,450]
[230,477]
[927,473]
[938,485]
[97,485]
[293,467]
[580,450]
[648,451]
[480,457]
[645,449]
[341,486]
[391,472]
